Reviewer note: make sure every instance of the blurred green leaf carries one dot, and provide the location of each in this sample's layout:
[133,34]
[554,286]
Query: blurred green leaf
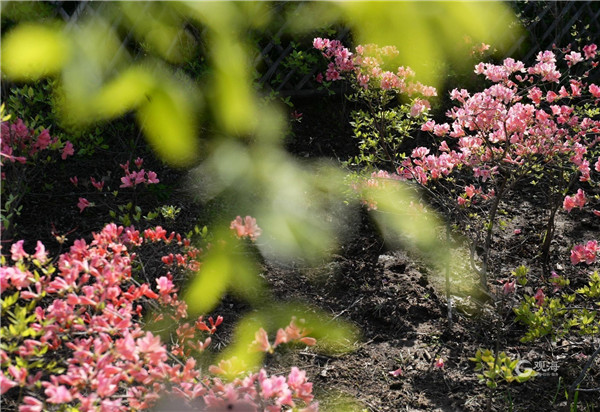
[210,283]
[31,51]
[160,26]
[333,337]
[168,119]
[124,93]
[25,10]
[226,267]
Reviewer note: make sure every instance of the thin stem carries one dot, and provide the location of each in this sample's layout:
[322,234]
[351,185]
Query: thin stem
[448,297]
[581,376]
[490,230]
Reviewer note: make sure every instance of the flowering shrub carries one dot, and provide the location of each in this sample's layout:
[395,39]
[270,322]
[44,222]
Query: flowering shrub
[72,333]
[383,123]
[132,179]
[563,313]
[21,148]
[559,311]
[534,124]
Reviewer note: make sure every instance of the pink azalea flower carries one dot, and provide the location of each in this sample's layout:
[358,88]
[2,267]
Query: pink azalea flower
[74,180]
[396,373]
[164,285]
[57,394]
[31,404]
[595,90]
[246,227]
[535,94]
[17,251]
[419,106]
[509,287]
[152,346]
[261,342]
[389,80]
[363,80]
[578,200]
[276,386]
[470,191]
[441,129]
[4,277]
[551,96]
[98,185]
[138,162]
[555,279]
[480,48]
[296,115]
[82,204]
[590,251]
[575,88]
[126,181]
[439,363]
[43,140]
[140,177]
[420,152]
[40,252]
[152,178]
[6,384]
[539,297]
[319,43]
[573,58]
[331,74]
[568,203]
[577,254]
[68,150]
[428,126]
[298,383]
[590,51]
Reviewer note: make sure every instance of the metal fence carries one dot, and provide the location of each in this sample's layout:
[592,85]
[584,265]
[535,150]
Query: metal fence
[558,23]
[546,23]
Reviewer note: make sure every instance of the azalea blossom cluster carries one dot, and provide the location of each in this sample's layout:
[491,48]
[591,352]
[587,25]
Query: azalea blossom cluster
[134,178]
[366,68]
[18,143]
[292,332]
[276,393]
[578,200]
[514,124]
[585,253]
[245,228]
[73,336]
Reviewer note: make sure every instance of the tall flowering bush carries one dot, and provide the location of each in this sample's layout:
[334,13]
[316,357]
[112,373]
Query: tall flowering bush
[536,124]
[24,152]
[72,334]
[391,103]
